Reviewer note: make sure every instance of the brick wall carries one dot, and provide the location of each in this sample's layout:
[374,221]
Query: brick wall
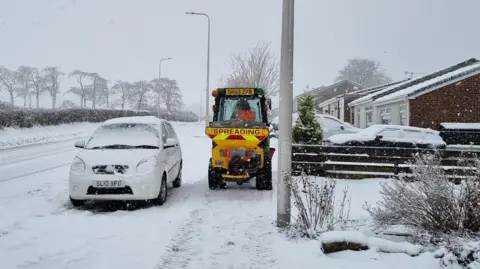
[457,102]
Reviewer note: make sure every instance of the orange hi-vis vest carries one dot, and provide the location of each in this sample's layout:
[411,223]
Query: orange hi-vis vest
[246,115]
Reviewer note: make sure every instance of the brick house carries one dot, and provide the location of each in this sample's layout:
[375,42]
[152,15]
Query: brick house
[448,95]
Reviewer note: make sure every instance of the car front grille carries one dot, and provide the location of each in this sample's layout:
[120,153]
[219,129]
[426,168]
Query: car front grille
[96,191]
[110,169]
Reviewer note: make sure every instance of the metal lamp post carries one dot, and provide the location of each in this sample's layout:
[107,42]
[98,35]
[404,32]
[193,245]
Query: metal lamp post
[285,119]
[159,81]
[207,118]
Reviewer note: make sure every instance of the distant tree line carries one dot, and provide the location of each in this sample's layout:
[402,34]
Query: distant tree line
[30,82]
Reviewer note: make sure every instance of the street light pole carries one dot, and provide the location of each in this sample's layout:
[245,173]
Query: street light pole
[207,97]
[159,81]
[285,120]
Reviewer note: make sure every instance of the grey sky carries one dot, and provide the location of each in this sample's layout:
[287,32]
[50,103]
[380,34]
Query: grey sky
[123,39]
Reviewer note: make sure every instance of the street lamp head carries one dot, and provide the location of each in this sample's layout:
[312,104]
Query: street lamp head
[190,13]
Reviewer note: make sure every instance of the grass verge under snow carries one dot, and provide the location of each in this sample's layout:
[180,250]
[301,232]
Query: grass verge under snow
[14,137]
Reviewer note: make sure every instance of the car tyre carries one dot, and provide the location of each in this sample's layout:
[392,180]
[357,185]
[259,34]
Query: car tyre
[76,202]
[162,194]
[177,183]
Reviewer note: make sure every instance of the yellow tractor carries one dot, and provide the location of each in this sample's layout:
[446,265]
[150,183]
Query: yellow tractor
[240,138]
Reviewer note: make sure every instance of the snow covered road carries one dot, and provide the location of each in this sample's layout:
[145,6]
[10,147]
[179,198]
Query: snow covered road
[196,228]
[39,228]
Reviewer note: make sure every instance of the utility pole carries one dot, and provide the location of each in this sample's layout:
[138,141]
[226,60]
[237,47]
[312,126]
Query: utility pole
[159,81]
[201,108]
[285,118]
[207,97]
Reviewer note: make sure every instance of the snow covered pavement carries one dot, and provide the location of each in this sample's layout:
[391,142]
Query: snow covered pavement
[196,228]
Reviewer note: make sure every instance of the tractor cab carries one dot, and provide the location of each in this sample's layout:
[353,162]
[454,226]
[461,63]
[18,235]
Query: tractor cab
[243,107]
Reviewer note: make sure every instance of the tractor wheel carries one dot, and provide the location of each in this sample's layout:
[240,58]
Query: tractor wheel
[264,177]
[214,178]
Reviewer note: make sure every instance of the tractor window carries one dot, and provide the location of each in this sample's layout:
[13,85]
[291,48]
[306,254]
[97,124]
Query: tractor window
[231,108]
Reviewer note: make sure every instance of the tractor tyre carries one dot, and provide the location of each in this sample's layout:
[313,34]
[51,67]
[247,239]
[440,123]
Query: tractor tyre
[214,178]
[264,177]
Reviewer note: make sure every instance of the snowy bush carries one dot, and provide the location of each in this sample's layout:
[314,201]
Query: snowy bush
[431,204]
[317,207]
[26,118]
[307,129]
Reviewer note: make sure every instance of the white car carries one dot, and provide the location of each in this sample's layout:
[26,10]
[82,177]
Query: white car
[129,158]
[330,125]
[385,135]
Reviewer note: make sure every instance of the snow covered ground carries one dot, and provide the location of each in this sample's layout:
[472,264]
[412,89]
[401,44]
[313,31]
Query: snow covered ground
[13,137]
[196,228]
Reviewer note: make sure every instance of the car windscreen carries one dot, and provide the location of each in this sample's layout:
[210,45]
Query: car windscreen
[329,123]
[124,136]
[372,130]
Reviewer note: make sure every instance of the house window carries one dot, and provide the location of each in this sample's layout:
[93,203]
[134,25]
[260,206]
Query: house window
[369,115]
[386,115]
[403,114]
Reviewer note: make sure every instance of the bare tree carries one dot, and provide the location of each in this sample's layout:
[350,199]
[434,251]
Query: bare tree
[257,68]
[68,104]
[53,76]
[139,94]
[124,90]
[80,76]
[364,71]
[38,84]
[169,94]
[105,95]
[24,74]
[79,92]
[9,79]
[98,85]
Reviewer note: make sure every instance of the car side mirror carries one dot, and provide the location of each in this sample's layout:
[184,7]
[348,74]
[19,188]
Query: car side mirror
[378,137]
[80,144]
[342,127]
[170,143]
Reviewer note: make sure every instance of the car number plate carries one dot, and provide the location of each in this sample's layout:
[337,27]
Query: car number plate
[108,183]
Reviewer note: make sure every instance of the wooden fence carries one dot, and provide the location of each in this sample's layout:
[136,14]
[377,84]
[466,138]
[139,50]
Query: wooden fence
[374,162]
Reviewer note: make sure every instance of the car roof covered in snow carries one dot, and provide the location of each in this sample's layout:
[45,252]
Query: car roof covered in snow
[405,127]
[135,119]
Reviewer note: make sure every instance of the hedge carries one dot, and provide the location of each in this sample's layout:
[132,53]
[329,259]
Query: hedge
[26,118]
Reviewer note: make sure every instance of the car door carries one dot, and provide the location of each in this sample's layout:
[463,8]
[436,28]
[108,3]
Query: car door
[176,151]
[167,152]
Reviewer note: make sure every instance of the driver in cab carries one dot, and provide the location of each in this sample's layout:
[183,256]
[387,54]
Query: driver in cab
[243,111]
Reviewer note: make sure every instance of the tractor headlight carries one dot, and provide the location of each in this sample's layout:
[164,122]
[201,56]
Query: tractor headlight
[78,165]
[146,165]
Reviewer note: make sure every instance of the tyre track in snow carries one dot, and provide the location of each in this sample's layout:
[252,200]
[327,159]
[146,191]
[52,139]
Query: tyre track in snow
[229,230]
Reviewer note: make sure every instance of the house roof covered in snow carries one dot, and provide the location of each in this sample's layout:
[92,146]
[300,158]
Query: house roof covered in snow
[338,88]
[422,84]
[377,88]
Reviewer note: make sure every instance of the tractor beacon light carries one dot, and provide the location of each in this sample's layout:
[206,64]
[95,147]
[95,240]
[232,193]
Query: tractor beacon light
[214,93]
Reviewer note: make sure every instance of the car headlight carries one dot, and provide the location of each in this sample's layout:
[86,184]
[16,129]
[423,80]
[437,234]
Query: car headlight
[146,165]
[78,165]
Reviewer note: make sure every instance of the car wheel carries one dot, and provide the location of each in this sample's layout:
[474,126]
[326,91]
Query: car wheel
[76,202]
[178,181]
[162,194]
